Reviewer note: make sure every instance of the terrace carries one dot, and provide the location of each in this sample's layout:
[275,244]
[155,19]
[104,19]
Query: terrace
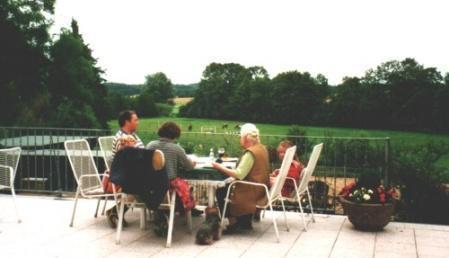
[45,232]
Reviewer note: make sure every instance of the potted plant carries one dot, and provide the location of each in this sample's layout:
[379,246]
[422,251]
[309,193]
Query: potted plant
[368,204]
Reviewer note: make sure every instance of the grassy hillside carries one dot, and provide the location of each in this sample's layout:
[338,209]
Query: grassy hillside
[397,138]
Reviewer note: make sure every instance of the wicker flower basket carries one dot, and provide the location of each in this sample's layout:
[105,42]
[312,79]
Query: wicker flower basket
[367,217]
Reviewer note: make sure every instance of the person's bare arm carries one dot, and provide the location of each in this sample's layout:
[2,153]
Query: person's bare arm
[225,170]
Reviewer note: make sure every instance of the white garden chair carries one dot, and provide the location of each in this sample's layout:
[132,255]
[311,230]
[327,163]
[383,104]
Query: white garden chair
[273,194]
[9,161]
[105,144]
[106,150]
[171,203]
[85,173]
[303,187]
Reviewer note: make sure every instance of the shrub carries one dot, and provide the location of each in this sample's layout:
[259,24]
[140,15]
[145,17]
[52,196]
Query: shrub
[425,198]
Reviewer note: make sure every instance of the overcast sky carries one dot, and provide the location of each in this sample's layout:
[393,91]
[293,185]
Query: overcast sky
[337,38]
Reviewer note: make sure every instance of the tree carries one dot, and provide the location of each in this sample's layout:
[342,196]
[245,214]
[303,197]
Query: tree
[441,107]
[216,90]
[298,98]
[346,103]
[159,86]
[23,66]
[145,105]
[75,77]
[407,89]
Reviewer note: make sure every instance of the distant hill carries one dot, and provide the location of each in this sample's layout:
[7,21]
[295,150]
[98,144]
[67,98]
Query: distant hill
[185,90]
[123,89]
[179,90]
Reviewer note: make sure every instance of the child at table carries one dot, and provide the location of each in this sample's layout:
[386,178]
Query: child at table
[295,170]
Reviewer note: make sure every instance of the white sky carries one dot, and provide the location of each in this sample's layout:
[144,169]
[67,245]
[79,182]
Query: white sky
[337,38]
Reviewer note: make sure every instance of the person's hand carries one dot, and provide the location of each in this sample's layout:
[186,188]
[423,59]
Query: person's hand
[193,163]
[272,180]
[275,172]
[216,165]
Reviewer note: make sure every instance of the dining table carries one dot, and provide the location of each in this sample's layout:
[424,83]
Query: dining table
[204,175]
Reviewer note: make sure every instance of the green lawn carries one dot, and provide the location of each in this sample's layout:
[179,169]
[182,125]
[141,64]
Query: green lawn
[148,125]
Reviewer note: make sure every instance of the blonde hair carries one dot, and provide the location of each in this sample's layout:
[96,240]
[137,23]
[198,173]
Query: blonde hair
[287,144]
[125,140]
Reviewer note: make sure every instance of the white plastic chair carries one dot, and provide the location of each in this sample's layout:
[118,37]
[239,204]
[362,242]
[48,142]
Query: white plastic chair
[85,173]
[304,182]
[105,144]
[273,194]
[9,161]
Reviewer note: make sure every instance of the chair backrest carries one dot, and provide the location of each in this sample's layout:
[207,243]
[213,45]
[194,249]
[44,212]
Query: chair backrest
[82,163]
[276,188]
[308,171]
[105,143]
[9,159]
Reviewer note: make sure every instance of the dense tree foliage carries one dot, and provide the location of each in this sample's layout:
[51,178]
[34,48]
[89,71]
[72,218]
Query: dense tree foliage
[75,83]
[399,95]
[52,82]
[23,61]
[159,86]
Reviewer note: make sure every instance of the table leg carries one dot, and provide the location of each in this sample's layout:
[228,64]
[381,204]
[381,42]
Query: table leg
[211,196]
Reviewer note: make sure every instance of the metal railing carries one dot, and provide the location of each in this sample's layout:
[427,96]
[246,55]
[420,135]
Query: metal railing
[44,167]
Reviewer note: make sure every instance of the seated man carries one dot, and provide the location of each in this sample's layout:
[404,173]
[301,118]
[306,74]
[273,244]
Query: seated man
[253,167]
[128,122]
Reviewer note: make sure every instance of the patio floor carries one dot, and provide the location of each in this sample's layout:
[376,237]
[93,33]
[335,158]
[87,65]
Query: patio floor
[44,232]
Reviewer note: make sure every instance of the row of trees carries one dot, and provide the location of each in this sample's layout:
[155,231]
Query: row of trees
[402,95]
[45,81]
[150,100]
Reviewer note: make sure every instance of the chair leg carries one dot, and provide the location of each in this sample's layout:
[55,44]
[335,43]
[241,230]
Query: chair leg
[189,221]
[310,203]
[224,209]
[263,213]
[74,206]
[171,219]
[302,214]
[15,205]
[104,206]
[274,223]
[120,220]
[143,218]
[96,210]
[285,214]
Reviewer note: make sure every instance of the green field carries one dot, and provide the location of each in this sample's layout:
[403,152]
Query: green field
[148,125]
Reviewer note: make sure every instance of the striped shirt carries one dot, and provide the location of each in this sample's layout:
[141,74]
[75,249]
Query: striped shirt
[175,156]
[121,133]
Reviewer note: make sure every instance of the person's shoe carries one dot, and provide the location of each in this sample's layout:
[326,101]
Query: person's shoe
[245,222]
[245,225]
[196,213]
[256,217]
[160,224]
[232,229]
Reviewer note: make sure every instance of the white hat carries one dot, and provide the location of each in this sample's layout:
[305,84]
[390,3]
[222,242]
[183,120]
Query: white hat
[250,129]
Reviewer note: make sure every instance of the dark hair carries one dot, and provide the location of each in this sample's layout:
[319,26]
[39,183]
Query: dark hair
[125,116]
[169,130]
